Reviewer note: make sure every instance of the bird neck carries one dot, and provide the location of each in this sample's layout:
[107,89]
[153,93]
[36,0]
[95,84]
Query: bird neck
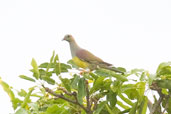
[74,48]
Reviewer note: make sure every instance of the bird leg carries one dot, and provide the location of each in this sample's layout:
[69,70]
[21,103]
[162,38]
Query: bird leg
[83,71]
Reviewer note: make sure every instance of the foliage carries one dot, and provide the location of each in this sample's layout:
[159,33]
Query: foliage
[60,91]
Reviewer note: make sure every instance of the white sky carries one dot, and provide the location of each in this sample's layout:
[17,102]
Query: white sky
[127,33]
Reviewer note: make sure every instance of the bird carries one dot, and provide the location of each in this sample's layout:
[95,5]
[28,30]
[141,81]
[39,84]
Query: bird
[85,59]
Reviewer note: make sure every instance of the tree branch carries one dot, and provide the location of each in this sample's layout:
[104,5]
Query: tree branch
[65,91]
[156,105]
[155,87]
[64,98]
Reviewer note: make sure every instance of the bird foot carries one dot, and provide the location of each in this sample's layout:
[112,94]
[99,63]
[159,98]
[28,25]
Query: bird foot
[84,72]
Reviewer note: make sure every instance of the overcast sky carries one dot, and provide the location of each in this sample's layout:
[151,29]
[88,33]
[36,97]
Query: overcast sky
[127,33]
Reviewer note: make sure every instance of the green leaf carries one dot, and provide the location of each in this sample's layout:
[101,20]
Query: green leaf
[10,93]
[15,103]
[169,104]
[45,65]
[140,88]
[143,75]
[56,59]
[122,105]
[134,108]
[36,95]
[137,72]
[164,83]
[125,111]
[109,110]
[66,83]
[108,73]
[126,100]
[116,86]
[100,95]
[165,71]
[100,107]
[27,78]
[116,110]
[87,76]
[162,65]
[7,89]
[75,80]
[49,80]
[34,106]
[151,78]
[130,90]
[27,98]
[132,93]
[61,67]
[55,109]
[143,105]
[111,98]
[43,73]
[21,111]
[35,69]
[65,67]
[81,90]
[127,87]
[71,62]
[94,76]
[51,59]
[107,84]
[22,93]
[97,84]
[164,91]
[121,69]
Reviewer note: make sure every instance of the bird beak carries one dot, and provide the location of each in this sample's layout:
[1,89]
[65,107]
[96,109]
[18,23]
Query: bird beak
[63,39]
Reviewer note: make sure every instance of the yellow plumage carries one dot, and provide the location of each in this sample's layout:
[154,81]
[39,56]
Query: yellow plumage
[80,63]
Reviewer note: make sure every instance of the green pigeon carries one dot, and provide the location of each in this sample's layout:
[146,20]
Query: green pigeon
[85,59]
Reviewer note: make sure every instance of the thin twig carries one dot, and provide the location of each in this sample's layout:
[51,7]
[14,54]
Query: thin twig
[63,97]
[65,91]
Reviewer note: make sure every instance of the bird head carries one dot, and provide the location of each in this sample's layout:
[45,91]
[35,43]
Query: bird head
[68,38]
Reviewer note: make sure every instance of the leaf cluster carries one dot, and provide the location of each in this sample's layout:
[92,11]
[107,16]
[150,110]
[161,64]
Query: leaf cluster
[58,89]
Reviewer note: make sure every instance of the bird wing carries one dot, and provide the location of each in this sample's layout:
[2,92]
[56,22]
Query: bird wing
[89,57]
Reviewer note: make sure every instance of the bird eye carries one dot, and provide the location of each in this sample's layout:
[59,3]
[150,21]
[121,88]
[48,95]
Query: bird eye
[68,36]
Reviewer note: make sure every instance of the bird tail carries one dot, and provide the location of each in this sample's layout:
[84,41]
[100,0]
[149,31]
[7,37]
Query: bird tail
[111,68]
[115,69]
